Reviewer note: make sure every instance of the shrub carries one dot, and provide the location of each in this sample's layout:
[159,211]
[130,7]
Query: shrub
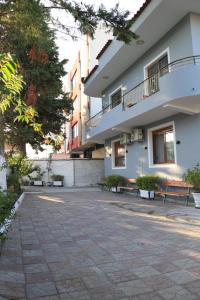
[57,177]
[13,182]
[192,176]
[115,180]
[148,182]
[7,201]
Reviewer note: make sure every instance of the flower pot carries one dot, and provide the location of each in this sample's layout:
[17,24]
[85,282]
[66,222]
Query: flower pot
[57,183]
[147,194]
[38,182]
[115,189]
[196,197]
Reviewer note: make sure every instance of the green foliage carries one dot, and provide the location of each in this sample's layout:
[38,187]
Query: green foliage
[115,180]
[11,85]
[13,183]
[7,201]
[88,18]
[192,176]
[39,173]
[20,164]
[57,177]
[25,32]
[148,182]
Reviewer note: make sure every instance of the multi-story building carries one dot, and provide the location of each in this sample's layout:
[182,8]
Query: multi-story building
[150,117]
[84,107]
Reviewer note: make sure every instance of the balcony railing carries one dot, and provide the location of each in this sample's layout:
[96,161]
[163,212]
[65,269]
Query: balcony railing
[146,88]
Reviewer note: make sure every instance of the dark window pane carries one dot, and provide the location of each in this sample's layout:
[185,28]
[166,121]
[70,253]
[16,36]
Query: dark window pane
[119,152]
[163,146]
[116,98]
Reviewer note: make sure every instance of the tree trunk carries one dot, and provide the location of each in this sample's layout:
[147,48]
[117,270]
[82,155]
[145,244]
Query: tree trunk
[22,148]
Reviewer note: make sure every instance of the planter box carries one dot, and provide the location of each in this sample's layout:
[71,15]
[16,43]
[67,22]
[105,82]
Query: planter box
[57,183]
[115,190]
[196,197]
[147,194]
[38,182]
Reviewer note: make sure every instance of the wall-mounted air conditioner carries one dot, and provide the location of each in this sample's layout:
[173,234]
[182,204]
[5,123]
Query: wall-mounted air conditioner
[125,139]
[137,135]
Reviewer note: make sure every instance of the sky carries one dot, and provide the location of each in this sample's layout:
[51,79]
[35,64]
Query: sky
[67,47]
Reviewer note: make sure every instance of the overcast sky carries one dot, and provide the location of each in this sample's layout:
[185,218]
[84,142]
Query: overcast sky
[67,48]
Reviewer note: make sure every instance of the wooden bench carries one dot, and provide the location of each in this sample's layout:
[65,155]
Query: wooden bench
[167,190]
[131,186]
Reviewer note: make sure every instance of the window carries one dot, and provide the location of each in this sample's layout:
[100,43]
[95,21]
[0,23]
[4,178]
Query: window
[75,131]
[116,98]
[163,141]
[155,71]
[118,155]
[73,82]
[75,104]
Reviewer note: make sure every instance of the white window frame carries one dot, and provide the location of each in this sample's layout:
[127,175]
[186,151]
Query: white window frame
[76,127]
[150,146]
[113,155]
[166,51]
[113,92]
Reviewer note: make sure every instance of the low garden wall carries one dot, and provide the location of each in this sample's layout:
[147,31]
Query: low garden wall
[76,172]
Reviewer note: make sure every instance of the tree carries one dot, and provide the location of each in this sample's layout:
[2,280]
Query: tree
[25,31]
[11,84]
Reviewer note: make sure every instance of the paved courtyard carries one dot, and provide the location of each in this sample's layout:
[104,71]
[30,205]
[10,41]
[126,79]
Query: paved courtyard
[100,246]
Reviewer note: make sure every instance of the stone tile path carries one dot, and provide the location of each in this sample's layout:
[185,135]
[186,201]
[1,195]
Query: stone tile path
[83,246]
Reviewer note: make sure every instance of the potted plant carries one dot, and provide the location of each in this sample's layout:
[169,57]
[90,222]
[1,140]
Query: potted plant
[57,180]
[147,185]
[113,181]
[37,179]
[192,176]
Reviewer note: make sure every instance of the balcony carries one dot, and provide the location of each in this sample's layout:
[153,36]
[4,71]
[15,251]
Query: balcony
[172,90]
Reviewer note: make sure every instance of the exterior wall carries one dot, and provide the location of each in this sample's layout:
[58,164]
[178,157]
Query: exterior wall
[179,42]
[99,153]
[187,130]
[76,172]
[195,30]
[3,184]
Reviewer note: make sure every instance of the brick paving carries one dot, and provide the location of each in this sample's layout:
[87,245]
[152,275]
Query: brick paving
[87,246]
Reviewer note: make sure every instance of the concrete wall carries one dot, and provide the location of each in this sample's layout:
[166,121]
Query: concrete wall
[76,172]
[187,132]
[195,30]
[179,42]
[3,184]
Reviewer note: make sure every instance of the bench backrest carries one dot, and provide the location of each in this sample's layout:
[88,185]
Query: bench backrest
[176,183]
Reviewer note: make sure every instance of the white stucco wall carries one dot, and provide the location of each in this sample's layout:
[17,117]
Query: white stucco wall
[76,172]
[3,184]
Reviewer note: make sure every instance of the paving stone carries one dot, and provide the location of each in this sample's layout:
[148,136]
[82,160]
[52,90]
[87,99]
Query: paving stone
[176,292]
[35,268]
[186,263]
[194,287]
[134,287]
[70,285]
[181,277]
[38,277]
[145,271]
[67,248]
[40,289]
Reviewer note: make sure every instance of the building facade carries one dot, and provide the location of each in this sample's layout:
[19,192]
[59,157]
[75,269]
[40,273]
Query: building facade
[84,107]
[150,117]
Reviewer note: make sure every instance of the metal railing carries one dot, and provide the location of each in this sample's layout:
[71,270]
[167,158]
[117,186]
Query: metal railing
[146,88]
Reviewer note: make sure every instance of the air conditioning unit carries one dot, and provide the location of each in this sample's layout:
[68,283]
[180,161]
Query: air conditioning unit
[125,139]
[137,135]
